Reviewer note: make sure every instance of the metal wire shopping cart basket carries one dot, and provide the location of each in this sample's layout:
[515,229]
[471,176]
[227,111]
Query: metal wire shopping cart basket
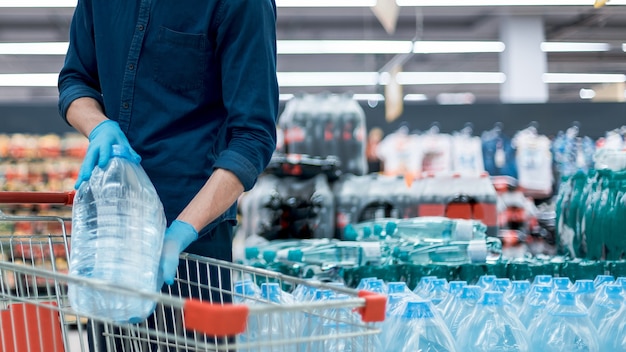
[35,313]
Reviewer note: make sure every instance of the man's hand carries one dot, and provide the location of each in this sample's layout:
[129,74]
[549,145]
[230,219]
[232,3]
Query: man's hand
[101,139]
[177,237]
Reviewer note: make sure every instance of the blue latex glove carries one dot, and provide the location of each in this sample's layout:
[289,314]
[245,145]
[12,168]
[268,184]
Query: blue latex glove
[101,139]
[177,237]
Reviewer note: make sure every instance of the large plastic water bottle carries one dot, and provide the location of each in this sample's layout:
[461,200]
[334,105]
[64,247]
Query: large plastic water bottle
[118,225]
[606,304]
[343,254]
[487,250]
[467,301]
[517,294]
[561,283]
[454,290]
[565,327]
[277,326]
[612,332]
[420,329]
[586,291]
[491,327]
[602,280]
[535,303]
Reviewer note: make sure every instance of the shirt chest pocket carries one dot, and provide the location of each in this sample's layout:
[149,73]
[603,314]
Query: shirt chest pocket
[182,60]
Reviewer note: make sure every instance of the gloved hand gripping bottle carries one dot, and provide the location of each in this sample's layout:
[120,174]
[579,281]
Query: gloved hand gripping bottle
[118,227]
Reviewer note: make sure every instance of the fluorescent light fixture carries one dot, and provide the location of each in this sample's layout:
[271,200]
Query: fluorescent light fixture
[415,97]
[51,48]
[325,3]
[29,80]
[583,78]
[369,97]
[422,78]
[555,47]
[460,3]
[327,79]
[291,47]
[343,47]
[456,98]
[587,93]
[623,47]
[443,47]
[38,3]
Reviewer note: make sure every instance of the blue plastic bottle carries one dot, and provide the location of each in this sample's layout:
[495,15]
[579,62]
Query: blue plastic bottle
[602,280]
[485,281]
[420,329]
[437,291]
[118,225]
[517,294]
[606,304]
[562,283]
[535,303]
[422,286]
[612,332]
[450,302]
[565,327]
[492,327]
[586,291]
[542,280]
[467,301]
[278,325]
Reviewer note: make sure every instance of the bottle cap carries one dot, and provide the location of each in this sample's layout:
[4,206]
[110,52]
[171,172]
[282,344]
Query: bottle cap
[613,290]
[602,279]
[520,286]
[367,232]
[121,151]
[501,285]
[295,255]
[477,251]
[390,228]
[486,280]
[471,292]
[269,256]
[251,252]
[397,287]
[492,298]
[463,230]
[457,286]
[349,233]
[565,298]
[584,286]
[561,283]
[378,230]
[542,280]
[417,310]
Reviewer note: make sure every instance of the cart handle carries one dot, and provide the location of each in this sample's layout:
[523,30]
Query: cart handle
[63,198]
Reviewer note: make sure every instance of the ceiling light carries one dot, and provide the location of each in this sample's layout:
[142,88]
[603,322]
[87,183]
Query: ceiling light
[343,47]
[583,78]
[456,98]
[327,79]
[587,93]
[415,97]
[421,78]
[51,48]
[29,80]
[552,47]
[442,47]
[444,3]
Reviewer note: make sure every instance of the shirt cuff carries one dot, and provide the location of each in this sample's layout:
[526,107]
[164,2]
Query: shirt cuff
[240,166]
[74,92]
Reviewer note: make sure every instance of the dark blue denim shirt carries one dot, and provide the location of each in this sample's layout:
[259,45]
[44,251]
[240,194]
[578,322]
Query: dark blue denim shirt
[192,84]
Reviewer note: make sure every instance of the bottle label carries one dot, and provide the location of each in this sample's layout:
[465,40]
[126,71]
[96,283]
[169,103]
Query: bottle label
[372,251]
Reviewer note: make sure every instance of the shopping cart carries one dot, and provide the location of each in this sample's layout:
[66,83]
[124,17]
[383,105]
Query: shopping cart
[35,313]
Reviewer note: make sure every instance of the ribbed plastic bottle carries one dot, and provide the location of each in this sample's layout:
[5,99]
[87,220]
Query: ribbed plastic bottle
[467,302]
[517,294]
[454,290]
[612,332]
[535,303]
[564,327]
[419,328]
[118,225]
[440,228]
[491,327]
[606,304]
[488,250]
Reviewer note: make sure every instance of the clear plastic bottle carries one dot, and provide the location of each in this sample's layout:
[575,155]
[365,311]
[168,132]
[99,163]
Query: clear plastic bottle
[277,326]
[438,291]
[118,225]
[342,254]
[454,289]
[440,228]
[517,294]
[467,301]
[486,281]
[562,283]
[606,304]
[612,332]
[491,327]
[419,328]
[602,280]
[247,292]
[488,250]
[542,280]
[535,303]
[586,291]
[501,285]
[564,327]
[421,289]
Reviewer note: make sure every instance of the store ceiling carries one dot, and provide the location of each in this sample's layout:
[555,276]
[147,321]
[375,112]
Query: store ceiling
[562,24]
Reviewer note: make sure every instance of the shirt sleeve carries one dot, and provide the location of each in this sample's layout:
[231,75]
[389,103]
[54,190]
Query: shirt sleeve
[246,49]
[78,77]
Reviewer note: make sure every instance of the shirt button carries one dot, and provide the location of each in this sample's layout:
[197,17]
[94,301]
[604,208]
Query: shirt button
[131,67]
[140,27]
[125,105]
